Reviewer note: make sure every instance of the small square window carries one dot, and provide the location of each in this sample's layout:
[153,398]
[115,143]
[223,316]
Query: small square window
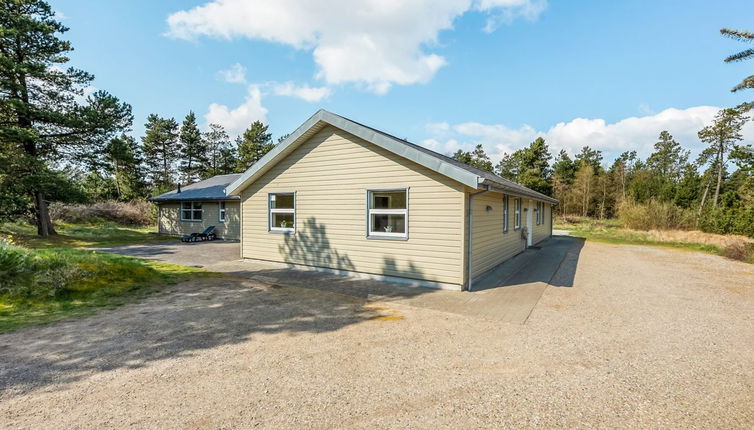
[191,211]
[282,212]
[388,213]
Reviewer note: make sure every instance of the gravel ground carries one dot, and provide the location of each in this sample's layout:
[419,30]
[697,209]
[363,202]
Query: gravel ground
[645,338]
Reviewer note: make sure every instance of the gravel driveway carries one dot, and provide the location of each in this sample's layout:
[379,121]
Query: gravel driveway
[644,338]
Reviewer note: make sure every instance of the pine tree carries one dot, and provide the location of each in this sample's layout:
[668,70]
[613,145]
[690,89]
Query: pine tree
[253,145]
[529,167]
[193,149]
[123,157]
[666,164]
[218,147]
[43,117]
[743,36]
[721,135]
[477,158]
[159,146]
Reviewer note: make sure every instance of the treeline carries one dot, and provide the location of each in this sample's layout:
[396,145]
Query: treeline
[169,153]
[713,192]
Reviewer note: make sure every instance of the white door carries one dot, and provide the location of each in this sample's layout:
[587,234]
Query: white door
[529,223]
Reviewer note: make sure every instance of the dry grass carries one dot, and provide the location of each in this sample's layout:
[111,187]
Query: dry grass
[696,236]
[137,213]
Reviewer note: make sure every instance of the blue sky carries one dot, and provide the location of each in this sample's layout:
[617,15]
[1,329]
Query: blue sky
[444,73]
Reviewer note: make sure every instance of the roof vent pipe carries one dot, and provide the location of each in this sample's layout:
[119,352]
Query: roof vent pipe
[179,188]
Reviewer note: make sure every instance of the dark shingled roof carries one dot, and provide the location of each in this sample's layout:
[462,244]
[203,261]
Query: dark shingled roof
[208,189]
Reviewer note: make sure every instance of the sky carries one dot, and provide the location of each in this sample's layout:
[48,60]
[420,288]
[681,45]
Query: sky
[447,74]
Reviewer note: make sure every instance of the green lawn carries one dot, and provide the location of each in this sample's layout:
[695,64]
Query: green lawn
[59,278]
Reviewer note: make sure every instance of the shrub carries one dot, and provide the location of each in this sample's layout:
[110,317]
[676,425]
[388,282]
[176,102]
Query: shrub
[655,215]
[138,213]
[739,250]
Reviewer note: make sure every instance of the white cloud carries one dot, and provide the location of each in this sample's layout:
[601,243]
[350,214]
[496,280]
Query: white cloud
[238,119]
[303,92]
[634,133]
[236,74]
[375,43]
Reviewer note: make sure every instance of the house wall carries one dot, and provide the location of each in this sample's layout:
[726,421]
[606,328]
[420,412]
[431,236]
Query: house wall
[169,220]
[490,245]
[542,231]
[331,173]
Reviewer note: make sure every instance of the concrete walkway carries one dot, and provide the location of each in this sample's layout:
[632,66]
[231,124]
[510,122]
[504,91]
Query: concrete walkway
[509,293]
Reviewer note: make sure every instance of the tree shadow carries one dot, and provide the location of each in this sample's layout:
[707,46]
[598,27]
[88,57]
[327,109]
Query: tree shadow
[188,318]
[310,246]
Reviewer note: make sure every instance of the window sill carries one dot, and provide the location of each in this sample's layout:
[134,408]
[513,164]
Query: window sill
[291,231]
[191,220]
[378,237]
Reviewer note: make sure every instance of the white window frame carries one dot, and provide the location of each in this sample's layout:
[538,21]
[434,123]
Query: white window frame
[192,210]
[271,210]
[221,211]
[506,212]
[383,234]
[538,211]
[517,214]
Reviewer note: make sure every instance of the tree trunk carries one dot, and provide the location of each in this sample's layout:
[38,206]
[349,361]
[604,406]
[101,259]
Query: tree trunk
[704,196]
[719,175]
[44,223]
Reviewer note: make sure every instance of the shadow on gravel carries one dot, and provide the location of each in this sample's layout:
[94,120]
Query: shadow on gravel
[189,318]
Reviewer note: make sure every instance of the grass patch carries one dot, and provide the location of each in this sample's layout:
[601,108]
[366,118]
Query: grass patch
[610,231]
[79,235]
[97,280]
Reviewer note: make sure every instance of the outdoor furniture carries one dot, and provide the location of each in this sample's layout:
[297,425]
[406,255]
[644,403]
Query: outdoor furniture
[207,234]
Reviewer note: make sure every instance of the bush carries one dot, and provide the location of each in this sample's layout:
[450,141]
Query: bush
[655,215]
[138,213]
[739,250]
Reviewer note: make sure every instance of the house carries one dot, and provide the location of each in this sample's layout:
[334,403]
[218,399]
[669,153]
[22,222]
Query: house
[340,196]
[194,207]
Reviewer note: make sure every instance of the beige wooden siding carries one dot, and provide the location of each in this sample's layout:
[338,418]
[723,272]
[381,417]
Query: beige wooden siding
[330,174]
[170,220]
[490,246]
[542,231]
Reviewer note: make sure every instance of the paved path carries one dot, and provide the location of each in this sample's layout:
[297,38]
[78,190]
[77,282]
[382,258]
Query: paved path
[507,294]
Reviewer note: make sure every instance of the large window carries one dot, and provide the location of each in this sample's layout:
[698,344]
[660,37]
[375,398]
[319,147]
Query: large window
[388,213]
[506,214]
[191,211]
[221,212]
[282,212]
[539,212]
[517,214]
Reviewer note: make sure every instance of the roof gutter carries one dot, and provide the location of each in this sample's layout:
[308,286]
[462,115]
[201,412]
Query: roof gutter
[517,193]
[470,234]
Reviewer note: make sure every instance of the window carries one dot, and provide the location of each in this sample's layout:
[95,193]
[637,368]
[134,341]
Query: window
[517,214]
[222,212]
[539,210]
[505,214]
[388,213]
[191,211]
[282,212]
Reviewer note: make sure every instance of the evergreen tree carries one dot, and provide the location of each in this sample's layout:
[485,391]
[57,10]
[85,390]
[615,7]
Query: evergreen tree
[743,36]
[622,172]
[590,156]
[124,163]
[193,149]
[159,145]
[563,176]
[253,145]
[477,158]
[721,135]
[43,117]
[666,164]
[216,140]
[529,167]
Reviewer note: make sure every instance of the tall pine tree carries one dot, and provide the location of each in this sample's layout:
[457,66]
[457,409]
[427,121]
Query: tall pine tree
[193,150]
[253,145]
[159,144]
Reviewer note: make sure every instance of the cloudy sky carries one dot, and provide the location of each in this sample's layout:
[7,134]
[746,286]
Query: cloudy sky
[447,74]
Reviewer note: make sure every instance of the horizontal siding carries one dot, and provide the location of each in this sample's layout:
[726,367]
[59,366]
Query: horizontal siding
[490,246]
[170,220]
[330,174]
[542,231]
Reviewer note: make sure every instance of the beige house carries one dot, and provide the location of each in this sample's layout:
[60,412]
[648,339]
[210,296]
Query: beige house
[193,208]
[340,196]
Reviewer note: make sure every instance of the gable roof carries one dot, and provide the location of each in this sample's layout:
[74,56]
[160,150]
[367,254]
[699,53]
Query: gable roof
[208,189]
[442,164]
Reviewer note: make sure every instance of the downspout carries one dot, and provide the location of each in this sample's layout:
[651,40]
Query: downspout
[469,234]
